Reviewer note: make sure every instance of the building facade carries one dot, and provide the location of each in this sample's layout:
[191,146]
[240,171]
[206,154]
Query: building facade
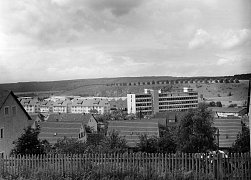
[100,106]
[153,101]
[13,120]
[30,105]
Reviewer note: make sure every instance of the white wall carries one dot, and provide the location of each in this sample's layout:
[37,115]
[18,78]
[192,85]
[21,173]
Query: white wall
[131,104]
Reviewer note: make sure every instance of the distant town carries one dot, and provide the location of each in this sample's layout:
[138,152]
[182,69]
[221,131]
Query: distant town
[143,113]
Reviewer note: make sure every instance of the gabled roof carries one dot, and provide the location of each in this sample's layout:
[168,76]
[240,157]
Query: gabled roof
[228,130]
[61,103]
[31,102]
[132,129]
[69,117]
[90,102]
[52,131]
[4,94]
[46,103]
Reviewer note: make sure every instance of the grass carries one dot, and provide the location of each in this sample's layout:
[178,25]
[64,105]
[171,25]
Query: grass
[107,173]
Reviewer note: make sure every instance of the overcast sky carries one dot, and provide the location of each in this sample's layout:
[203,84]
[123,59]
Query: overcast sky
[43,40]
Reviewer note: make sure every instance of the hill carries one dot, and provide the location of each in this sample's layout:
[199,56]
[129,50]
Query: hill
[223,88]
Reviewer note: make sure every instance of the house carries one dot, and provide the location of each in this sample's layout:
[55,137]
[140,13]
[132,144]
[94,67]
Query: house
[46,106]
[13,119]
[30,105]
[131,130]
[87,119]
[52,131]
[228,121]
[228,129]
[99,105]
[228,112]
[61,106]
[169,118]
[38,117]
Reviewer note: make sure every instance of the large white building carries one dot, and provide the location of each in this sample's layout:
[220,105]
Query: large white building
[153,101]
[87,105]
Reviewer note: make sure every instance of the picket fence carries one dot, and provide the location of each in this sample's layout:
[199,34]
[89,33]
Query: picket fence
[234,166]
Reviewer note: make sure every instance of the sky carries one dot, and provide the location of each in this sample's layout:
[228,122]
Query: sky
[46,40]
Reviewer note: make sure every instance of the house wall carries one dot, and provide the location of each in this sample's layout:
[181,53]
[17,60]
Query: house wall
[13,125]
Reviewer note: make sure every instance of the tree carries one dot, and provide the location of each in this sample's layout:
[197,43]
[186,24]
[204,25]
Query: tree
[93,111]
[29,143]
[148,144]
[218,104]
[69,146]
[163,144]
[166,141]
[195,132]
[114,143]
[212,104]
[241,144]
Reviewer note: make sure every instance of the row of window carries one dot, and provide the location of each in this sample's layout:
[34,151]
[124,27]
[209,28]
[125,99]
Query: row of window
[145,104]
[143,100]
[143,96]
[178,106]
[10,111]
[178,102]
[144,108]
[178,98]
[77,107]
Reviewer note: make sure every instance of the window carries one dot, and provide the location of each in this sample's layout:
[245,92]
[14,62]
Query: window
[1,133]
[1,155]
[6,111]
[14,110]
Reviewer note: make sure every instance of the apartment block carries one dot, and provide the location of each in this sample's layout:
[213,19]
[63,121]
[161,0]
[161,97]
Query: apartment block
[87,105]
[153,101]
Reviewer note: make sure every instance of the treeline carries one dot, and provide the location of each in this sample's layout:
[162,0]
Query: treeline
[243,76]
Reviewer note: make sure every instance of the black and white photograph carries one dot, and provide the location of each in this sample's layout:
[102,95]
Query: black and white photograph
[125,89]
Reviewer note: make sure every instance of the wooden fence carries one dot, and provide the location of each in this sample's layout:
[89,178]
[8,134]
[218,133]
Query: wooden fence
[198,166]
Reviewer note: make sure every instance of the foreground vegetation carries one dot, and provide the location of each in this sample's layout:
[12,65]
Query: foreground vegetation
[127,166]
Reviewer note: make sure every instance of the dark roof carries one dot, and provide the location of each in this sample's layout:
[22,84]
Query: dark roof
[69,117]
[169,114]
[132,129]
[226,109]
[228,130]
[4,94]
[37,115]
[52,131]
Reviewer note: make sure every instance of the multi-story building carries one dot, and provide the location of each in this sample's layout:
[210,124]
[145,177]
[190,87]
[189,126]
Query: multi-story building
[46,106]
[153,101]
[61,106]
[88,105]
[30,105]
